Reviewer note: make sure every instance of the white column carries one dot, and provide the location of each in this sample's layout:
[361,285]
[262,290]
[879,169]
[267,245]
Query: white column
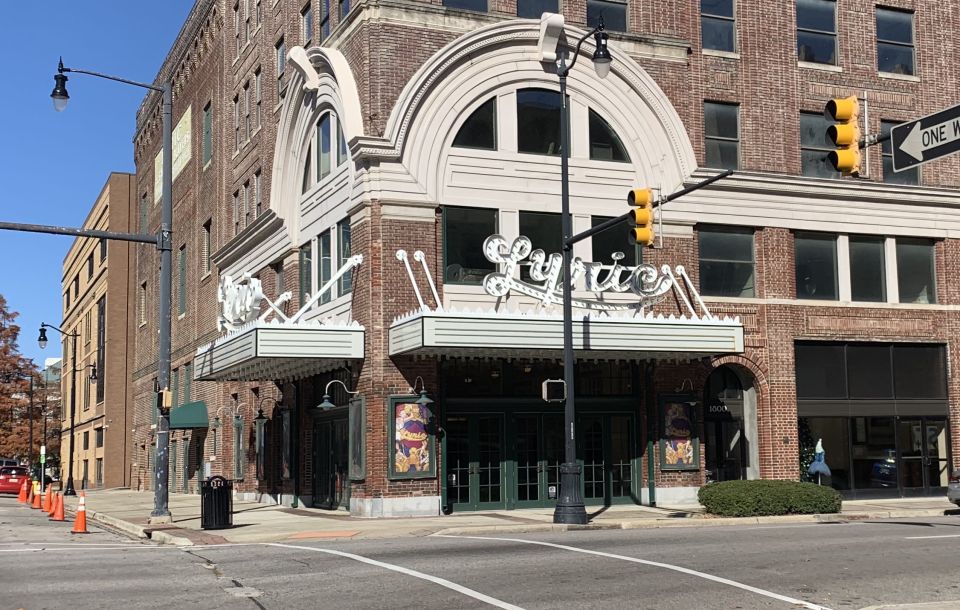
[890,262]
[843,268]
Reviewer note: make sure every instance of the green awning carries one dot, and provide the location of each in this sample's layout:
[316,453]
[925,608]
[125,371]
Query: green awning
[190,415]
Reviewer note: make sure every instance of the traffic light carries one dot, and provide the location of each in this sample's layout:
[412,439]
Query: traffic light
[642,215]
[845,134]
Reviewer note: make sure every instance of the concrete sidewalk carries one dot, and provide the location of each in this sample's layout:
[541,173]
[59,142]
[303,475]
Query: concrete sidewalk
[128,511]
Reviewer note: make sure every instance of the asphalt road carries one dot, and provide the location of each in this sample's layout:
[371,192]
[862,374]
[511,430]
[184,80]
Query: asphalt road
[834,566]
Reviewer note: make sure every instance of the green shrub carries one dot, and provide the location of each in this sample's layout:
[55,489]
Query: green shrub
[758,498]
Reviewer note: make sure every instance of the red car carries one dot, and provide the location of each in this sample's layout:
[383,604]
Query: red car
[12,478]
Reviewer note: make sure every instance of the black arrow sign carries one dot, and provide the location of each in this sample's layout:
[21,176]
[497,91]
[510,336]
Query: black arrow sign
[926,139]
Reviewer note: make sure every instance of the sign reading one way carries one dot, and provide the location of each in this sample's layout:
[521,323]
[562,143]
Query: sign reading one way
[926,139]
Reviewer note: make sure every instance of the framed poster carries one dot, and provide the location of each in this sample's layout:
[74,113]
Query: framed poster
[679,442]
[412,450]
[357,434]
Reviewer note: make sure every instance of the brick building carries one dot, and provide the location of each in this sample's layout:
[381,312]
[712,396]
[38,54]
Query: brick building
[97,338]
[350,184]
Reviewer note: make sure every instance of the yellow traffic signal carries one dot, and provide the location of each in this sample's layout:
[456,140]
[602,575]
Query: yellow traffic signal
[845,134]
[641,215]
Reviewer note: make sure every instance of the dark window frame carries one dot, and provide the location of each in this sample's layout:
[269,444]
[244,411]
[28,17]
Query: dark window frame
[818,236]
[716,137]
[818,32]
[445,220]
[728,230]
[719,19]
[912,45]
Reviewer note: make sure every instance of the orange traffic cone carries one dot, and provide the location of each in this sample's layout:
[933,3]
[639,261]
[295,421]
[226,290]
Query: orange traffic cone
[47,500]
[53,503]
[37,498]
[80,523]
[22,496]
[58,509]
[29,492]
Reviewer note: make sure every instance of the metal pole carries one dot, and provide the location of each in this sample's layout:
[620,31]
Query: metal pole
[69,490]
[569,507]
[30,417]
[161,511]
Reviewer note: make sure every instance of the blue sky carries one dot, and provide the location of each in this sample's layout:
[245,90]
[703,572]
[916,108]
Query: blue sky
[53,165]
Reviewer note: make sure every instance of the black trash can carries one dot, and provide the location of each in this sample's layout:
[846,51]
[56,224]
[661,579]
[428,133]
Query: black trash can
[216,503]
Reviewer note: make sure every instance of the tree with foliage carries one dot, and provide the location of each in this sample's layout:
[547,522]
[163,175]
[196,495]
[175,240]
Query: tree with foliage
[15,374]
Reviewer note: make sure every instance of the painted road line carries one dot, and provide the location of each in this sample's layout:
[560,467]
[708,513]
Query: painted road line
[657,564]
[389,566]
[931,537]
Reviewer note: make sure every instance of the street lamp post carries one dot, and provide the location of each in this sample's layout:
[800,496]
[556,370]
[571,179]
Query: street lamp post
[161,511]
[42,341]
[570,508]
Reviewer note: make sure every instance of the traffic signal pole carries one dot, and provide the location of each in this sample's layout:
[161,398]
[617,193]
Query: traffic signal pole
[603,226]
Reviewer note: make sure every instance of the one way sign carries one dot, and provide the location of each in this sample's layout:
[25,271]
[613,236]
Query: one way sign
[926,139]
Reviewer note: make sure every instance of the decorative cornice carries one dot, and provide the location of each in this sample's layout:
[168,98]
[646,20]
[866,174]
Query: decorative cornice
[262,228]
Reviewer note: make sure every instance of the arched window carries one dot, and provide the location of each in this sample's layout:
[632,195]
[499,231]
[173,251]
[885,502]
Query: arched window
[605,144]
[479,130]
[307,174]
[538,121]
[323,147]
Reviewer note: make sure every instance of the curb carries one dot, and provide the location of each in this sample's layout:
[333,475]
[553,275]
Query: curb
[138,531]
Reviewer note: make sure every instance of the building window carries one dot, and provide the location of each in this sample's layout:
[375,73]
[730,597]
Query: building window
[721,135]
[144,210]
[280,49]
[345,8]
[479,130]
[717,25]
[815,262]
[278,277]
[817,31]
[614,14]
[76,287]
[894,41]
[814,146]
[344,252]
[236,212]
[236,26]
[86,439]
[726,261]
[142,304]
[909,176]
[247,207]
[205,247]
[98,435]
[342,153]
[464,230]
[324,264]
[324,19]
[543,229]
[101,345]
[236,123]
[306,23]
[207,133]
[90,266]
[605,144]
[307,173]
[103,249]
[323,147]
[469,5]
[867,269]
[259,13]
[916,271]
[99,471]
[538,121]
[258,95]
[187,381]
[306,273]
[533,9]
[182,280]
[257,194]
[238,448]
[247,130]
[175,387]
[612,240]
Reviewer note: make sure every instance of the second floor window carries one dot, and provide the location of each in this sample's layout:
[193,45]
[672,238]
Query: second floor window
[867,269]
[532,9]
[894,41]
[306,272]
[817,31]
[717,25]
[721,135]
[464,230]
[470,5]
[815,263]
[916,270]
[614,13]
[726,261]
[344,252]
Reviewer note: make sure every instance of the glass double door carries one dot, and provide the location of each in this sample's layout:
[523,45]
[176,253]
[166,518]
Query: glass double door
[923,445]
[512,460]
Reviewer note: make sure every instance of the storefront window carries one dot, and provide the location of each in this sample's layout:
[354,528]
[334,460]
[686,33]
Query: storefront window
[464,231]
[820,371]
[919,372]
[835,436]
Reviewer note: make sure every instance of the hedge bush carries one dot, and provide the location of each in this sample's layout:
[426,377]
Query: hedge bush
[758,498]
